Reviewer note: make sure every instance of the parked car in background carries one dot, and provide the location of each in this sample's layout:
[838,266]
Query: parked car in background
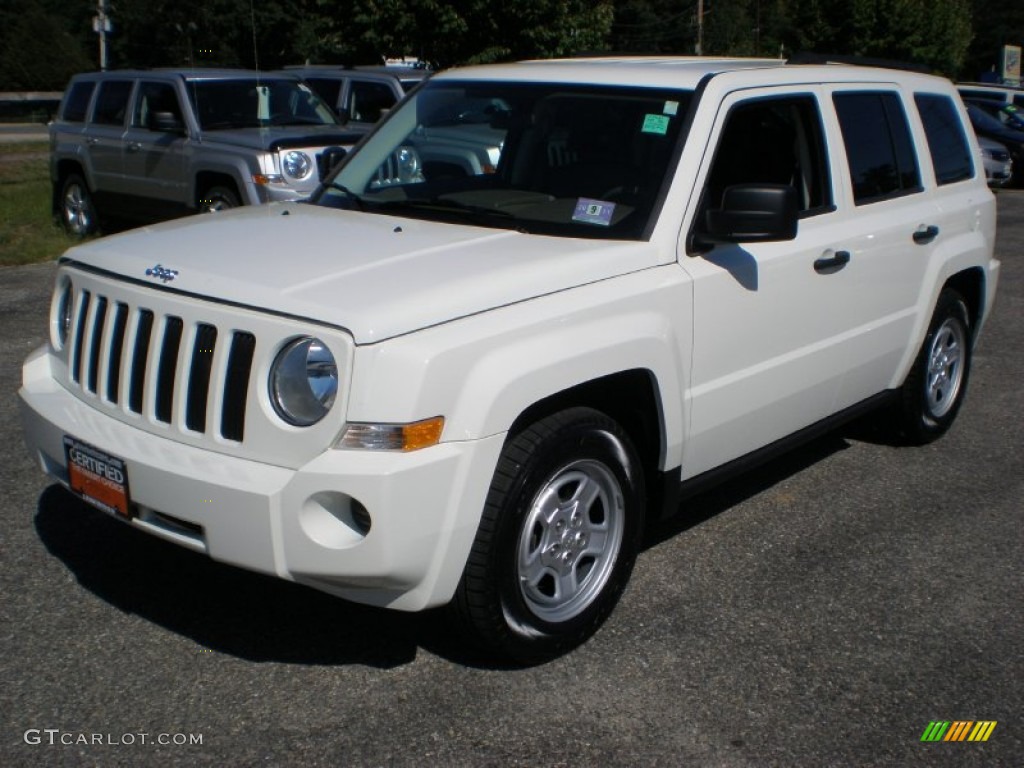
[1003,93]
[1009,115]
[154,144]
[360,96]
[997,161]
[991,128]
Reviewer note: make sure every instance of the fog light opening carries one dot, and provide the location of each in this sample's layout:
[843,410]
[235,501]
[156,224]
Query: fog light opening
[334,520]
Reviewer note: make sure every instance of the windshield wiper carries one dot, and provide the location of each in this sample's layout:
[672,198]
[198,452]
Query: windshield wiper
[440,204]
[348,194]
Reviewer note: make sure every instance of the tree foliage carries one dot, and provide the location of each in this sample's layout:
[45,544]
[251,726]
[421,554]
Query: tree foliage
[42,42]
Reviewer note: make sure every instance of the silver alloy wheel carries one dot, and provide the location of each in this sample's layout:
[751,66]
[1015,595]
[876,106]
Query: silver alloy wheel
[77,209]
[570,540]
[945,367]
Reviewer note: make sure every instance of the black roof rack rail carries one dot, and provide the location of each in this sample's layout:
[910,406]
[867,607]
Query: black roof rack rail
[812,57]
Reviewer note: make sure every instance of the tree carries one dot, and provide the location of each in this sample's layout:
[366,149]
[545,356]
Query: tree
[39,50]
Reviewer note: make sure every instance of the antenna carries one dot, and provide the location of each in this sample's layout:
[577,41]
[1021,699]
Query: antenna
[255,50]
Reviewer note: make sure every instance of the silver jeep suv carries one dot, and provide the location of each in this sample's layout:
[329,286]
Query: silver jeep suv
[160,143]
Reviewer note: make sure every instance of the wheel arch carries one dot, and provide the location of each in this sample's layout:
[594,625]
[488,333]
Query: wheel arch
[970,284]
[205,180]
[630,398]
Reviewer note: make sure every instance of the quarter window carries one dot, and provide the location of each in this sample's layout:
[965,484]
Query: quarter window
[947,143]
[112,102]
[77,102]
[878,145]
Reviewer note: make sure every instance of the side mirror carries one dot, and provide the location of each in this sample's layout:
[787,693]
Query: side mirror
[752,213]
[166,122]
[328,160]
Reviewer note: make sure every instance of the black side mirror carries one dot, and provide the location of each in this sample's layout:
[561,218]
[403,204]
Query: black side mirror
[166,122]
[753,213]
[328,160]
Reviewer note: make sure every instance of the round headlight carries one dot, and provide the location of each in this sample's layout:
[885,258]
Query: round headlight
[63,306]
[303,381]
[297,164]
[408,162]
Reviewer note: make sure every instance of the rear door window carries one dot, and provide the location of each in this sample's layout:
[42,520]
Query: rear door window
[947,142]
[879,150]
[112,102]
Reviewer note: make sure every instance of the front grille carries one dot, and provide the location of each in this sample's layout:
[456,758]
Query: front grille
[131,357]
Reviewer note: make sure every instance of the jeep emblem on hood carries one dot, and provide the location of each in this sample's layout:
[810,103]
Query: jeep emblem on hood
[162,273]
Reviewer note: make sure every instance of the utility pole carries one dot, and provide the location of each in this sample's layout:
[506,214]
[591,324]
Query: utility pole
[699,48]
[101,26]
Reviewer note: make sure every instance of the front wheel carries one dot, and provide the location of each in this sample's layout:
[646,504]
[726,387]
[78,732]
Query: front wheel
[558,537]
[218,199]
[935,388]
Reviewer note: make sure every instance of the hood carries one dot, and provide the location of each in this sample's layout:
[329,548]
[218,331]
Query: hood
[376,276]
[277,137]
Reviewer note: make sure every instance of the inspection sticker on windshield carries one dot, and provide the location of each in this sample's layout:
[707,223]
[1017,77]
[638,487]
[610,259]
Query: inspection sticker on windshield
[655,124]
[100,479]
[593,211]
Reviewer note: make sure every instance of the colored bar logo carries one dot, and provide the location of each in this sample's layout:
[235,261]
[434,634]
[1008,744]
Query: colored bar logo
[958,730]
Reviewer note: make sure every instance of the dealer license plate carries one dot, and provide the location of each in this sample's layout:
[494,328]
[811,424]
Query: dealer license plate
[98,477]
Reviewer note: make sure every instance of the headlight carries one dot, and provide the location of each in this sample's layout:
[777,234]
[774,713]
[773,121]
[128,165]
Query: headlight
[63,306]
[408,163]
[303,381]
[297,164]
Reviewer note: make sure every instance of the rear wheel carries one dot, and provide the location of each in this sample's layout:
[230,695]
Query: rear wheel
[218,198]
[934,390]
[77,211]
[558,537]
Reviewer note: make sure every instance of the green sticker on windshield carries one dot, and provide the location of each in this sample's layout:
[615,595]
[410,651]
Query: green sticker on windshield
[655,124]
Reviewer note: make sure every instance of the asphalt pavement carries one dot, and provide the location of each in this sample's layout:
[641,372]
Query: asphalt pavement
[821,611]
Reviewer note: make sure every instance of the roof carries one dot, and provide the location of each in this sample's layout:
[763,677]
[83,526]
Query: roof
[678,71]
[193,73]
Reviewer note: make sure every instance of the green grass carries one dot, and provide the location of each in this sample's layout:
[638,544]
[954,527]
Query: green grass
[28,233]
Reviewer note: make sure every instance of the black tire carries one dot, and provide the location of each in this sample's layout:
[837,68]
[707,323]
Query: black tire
[218,198]
[557,539]
[935,388]
[77,210]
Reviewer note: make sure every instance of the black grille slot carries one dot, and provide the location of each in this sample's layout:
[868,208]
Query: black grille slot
[92,374]
[236,385]
[199,380]
[140,354]
[116,350]
[76,360]
[167,368]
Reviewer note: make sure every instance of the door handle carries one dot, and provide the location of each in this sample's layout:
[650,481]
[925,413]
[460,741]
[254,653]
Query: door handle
[134,146]
[925,235]
[832,262]
[92,141]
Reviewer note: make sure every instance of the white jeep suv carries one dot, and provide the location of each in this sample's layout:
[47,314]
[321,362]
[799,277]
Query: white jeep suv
[537,305]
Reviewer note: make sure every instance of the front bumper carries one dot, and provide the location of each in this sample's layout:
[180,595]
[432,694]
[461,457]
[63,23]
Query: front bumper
[424,506]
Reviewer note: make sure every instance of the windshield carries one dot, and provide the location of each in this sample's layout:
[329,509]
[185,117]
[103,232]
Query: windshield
[221,104]
[572,160]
